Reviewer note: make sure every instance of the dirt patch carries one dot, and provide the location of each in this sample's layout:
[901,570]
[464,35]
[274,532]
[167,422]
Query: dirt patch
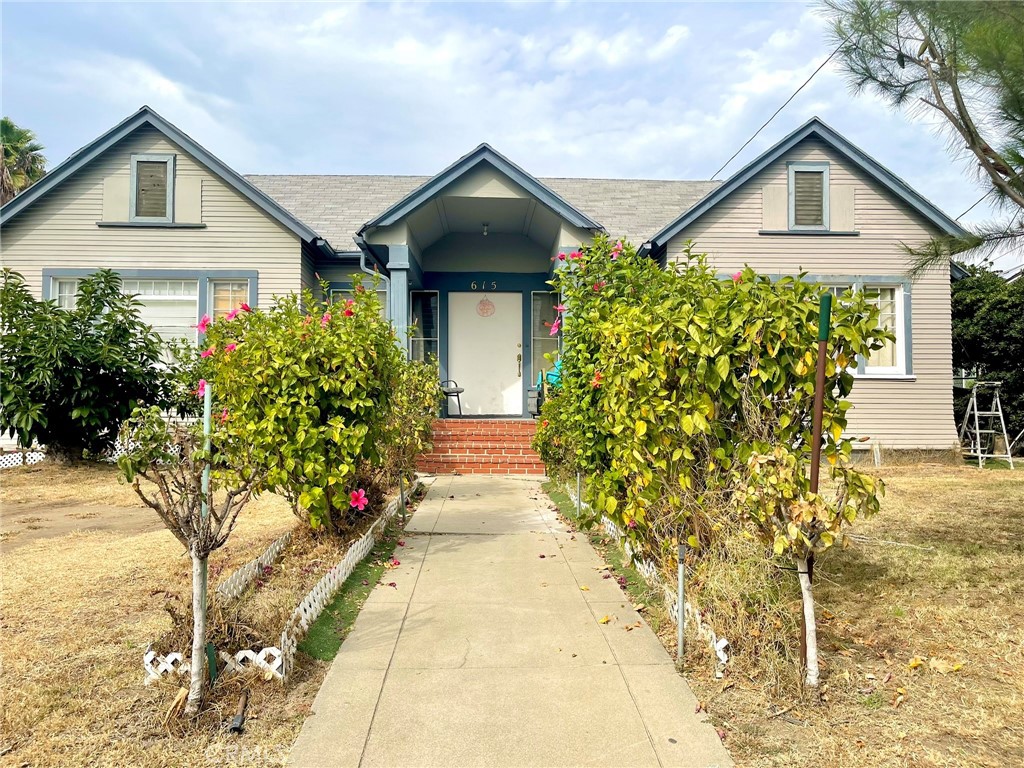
[49,520]
[921,633]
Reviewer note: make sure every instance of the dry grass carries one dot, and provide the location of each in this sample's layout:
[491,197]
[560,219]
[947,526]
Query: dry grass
[952,600]
[78,613]
[45,483]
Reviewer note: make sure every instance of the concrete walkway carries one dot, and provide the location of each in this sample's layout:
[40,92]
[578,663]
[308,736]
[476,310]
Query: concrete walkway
[485,653]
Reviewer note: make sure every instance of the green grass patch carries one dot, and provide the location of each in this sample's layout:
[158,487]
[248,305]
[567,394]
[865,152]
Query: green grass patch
[333,625]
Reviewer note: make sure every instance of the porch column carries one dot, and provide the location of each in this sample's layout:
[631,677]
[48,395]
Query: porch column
[398,265]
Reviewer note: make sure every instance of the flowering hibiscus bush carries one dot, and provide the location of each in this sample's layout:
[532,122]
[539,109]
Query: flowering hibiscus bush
[686,397]
[317,392]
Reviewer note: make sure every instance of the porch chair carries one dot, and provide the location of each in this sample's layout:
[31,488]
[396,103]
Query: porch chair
[451,389]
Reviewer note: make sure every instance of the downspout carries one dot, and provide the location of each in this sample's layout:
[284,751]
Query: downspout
[364,249]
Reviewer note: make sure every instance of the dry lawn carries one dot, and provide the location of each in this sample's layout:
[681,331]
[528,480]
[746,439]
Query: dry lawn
[922,638]
[78,612]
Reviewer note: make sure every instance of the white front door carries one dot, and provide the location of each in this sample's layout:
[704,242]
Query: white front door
[485,352]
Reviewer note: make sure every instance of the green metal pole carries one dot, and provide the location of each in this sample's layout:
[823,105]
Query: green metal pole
[204,508]
[824,320]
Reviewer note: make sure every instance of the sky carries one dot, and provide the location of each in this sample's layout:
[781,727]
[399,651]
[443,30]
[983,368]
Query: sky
[647,90]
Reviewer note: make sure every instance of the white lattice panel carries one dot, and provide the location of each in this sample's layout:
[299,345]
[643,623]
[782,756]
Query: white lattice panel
[233,586]
[20,458]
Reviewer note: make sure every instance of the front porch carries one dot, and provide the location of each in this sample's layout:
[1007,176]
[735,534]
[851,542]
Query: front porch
[483,447]
[465,261]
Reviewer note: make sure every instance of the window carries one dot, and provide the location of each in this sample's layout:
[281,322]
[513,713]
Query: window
[890,359]
[423,341]
[542,316]
[382,299]
[152,191]
[170,306]
[808,196]
[226,295]
[886,359]
[65,291]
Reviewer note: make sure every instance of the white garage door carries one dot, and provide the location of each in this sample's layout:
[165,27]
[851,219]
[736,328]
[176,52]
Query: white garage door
[170,306]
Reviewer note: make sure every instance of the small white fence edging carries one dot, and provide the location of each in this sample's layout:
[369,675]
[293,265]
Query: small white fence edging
[9,460]
[649,571]
[278,662]
[233,586]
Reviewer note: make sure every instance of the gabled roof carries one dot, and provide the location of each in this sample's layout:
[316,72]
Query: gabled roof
[146,116]
[815,128]
[482,154]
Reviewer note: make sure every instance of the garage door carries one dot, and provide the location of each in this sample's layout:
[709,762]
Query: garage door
[170,306]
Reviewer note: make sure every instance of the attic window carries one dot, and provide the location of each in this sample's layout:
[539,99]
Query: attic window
[152,191]
[808,196]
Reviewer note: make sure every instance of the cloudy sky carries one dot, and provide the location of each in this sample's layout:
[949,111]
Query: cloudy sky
[654,90]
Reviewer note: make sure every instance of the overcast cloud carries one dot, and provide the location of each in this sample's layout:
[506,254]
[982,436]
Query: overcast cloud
[666,90]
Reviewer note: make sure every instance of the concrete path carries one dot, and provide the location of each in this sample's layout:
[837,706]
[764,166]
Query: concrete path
[487,654]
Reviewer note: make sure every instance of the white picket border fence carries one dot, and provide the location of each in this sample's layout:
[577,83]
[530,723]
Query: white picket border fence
[9,460]
[649,571]
[235,584]
[279,661]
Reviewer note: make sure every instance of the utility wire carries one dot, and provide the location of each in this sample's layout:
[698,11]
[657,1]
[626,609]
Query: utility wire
[975,205]
[776,112]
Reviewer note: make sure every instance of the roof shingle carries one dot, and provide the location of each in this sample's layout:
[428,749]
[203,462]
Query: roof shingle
[337,206]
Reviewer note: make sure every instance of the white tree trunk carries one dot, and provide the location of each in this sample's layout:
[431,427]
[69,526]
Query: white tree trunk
[198,666]
[809,623]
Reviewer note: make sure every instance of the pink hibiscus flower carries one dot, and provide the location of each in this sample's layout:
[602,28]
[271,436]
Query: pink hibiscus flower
[325,319]
[204,323]
[555,327]
[358,499]
[208,352]
[224,416]
[231,315]
[561,257]
[201,389]
[245,307]
[560,308]
[576,255]
[231,347]
[737,276]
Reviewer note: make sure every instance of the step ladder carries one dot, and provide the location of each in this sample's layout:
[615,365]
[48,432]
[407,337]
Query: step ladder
[980,429]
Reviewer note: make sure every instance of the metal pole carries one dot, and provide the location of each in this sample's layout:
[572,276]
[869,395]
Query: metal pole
[579,499]
[681,606]
[824,319]
[204,509]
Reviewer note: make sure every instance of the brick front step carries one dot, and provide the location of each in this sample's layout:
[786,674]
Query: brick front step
[483,447]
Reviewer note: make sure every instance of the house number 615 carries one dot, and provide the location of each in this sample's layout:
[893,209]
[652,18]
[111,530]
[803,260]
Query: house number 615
[482,285]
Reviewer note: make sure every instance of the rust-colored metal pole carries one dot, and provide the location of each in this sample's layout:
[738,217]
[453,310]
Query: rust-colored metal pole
[824,321]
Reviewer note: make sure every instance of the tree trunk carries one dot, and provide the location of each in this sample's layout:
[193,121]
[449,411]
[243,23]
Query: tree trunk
[812,631]
[198,666]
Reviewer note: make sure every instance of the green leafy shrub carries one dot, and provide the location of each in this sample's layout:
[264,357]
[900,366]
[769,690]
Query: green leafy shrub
[686,400]
[70,377]
[316,393]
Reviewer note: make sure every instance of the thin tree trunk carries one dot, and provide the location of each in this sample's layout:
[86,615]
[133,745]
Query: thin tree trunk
[809,622]
[198,666]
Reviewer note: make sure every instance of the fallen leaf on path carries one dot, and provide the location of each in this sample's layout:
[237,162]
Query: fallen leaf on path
[634,625]
[584,589]
[604,619]
[915,662]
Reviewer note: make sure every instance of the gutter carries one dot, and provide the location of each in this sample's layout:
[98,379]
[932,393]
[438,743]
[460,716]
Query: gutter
[365,249]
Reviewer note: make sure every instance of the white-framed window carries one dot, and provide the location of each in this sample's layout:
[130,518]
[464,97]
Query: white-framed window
[347,293]
[543,314]
[152,188]
[171,306]
[891,359]
[424,337]
[65,291]
[808,196]
[226,295]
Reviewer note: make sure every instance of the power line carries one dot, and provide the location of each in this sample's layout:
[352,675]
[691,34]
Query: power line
[975,205]
[776,112]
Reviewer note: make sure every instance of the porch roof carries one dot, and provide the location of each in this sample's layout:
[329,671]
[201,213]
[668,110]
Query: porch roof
[338,206]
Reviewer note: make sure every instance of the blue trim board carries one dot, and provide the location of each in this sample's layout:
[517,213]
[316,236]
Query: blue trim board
[815,128]
[146,116]
[203,276]
[484,153]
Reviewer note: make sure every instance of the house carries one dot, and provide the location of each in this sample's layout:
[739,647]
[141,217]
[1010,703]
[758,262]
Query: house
[460,260]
